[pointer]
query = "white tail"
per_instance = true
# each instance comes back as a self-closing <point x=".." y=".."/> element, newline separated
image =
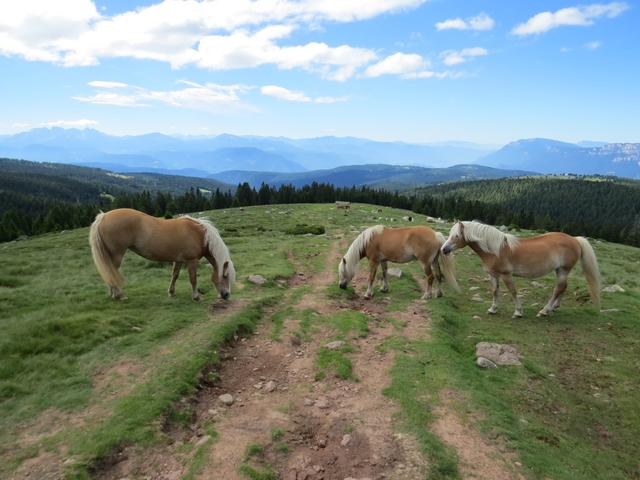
<point x="101" y="256"/>
<point x="590" y="269"/>
<point x="447" y="267"/>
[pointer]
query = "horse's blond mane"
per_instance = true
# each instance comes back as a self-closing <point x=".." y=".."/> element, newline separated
<point x="354" y="254"/>
<point x="216" y="245"/>
<point x="488" y="238"/>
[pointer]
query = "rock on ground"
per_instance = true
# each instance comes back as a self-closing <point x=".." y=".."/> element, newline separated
<point x="485" y="363"/>
<point x="257" y="279"/>
<point x="500" y="354"/>
<point x="335" y="345"/>
<point x="226" y="399"/>
<point x="613" y="289"/>
<point x="394" y="272"/>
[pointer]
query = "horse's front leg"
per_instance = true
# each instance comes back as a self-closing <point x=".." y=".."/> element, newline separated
<point x="495" y="287"/>
<point x="508" y="281"/>
<point x="373" y="267"/>
<point x="561" y="286"/>
<point x="385" y="282"/>
<point x="174" y="278"/>
<point x="192" y="266"/>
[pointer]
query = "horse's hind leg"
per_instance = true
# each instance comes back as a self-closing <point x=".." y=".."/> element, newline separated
<point x="508" y="281"/>
<point x="192" y="266"/>
<point x="561" y="286"/>
<point x="114" y="290"/>
<point x="435" y="266"/>
<point x="373" y="267"/>
<point x="174" y="278"/>
<point x="385" y="283"/>
<point x="428" y="293"/>
<point x="495" y="287"/>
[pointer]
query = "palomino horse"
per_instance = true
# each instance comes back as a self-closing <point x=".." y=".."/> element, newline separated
<point x="399" y="245"/>
<point x="180" y="240"/>
<point x="504" y="255"/>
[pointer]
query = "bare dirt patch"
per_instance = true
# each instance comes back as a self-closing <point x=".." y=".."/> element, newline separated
<point x="478" y="458"/>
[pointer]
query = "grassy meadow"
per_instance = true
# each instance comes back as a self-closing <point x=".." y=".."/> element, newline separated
<point x="81" y="375"/>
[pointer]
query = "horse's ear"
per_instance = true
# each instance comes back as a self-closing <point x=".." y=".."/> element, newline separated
<point x="225" y="268"/>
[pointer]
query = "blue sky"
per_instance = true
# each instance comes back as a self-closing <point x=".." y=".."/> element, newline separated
<point x="412" y="70"/>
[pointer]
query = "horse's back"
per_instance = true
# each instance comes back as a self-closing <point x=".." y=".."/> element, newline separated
<point x="398" y="244"/>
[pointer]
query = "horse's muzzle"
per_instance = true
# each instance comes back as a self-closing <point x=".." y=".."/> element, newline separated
<point x="446" y="250"/>
<point x="343" y="285"/>
<point x="225" y="295"/>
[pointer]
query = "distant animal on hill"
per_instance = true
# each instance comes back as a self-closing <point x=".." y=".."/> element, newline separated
<point x="504" y="255"/>
<point x="343" y="205"/>
<point x="399" y="245"/>
<point x="182" y="240"/>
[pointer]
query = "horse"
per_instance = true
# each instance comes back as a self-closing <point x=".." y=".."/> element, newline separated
<point x="345" y="205"/>
<point x="182" y="240"/>
<point x="505" y="255"/>
<point x="399" y="245"/>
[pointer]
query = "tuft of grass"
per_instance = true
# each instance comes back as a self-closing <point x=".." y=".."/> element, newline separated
<point x="303" y="229"/>
<point x="281" y="447"/>
<point x="346" y="322"/>
<point x="336" y="362"/>
<point x="253" y="450"/>
<point x="277" y="434"/>
<point x="258" y="474"/>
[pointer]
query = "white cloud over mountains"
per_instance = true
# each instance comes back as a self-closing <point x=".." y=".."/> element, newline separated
<point x="282" y="93"/>
<point x="222" y="34"/>
<point x="582" y="16"/>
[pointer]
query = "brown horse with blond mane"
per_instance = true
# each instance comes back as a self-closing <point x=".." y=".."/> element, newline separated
<point x="399" y="245"/>
<point x="183" y="240"/>
<point x="504" y="255"/>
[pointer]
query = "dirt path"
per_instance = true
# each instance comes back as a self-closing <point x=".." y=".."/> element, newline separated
<point x="287" y="421"/>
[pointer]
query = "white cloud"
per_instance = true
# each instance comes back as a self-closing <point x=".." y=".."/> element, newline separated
<point x="285" y="94"/>
<point x="105" y="84"/>
<point x="397" y="64"/>
<point x="575" y="16"/>
<point x="218" y="34"/>
<point x="208" y="96"/>
<point x="456" y="57"/>
<point x="593" y="45"/>
<point x="482" y="21"/>
<point x="82" y="123"/>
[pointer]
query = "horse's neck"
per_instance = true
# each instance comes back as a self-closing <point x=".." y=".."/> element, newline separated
<point x="485" y="256"/>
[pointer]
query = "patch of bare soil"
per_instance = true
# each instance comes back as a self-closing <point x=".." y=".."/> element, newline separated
<point x="477" y="457"/>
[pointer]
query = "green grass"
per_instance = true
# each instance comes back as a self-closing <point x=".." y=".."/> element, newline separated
<point x="570" y="412"/>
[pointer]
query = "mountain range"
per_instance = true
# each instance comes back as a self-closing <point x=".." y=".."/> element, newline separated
<point x="390" y="177"/>
<point x="202" y="156"/>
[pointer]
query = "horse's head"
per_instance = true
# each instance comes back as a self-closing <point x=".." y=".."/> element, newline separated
<point x="223" y="280"/>
<point x="344" y="274"/>
<point x="456" y="239"/>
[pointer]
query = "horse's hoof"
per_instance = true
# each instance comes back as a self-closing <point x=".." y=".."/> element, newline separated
<point x="492" y="311"/>
<point x="439" y="294"/>
<point x="384" y="290"/>
<point x="368" y="297"/>
<point x="197" y="299"/>
<point x="542" y="313"/>
<point x="517" y="315"/>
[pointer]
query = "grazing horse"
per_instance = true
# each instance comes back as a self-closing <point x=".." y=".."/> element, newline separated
<point x="504" y="255"/>
<point x="399" y="245"/>
<point x="180" y="240"/>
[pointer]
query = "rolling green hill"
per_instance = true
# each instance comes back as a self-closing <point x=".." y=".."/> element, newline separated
<point x="89" y="385"/>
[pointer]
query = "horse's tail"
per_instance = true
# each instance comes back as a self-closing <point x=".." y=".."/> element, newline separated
<point x="101" y="256"/>
<point x="590" y="269"/>
<point x="447" y="266"/>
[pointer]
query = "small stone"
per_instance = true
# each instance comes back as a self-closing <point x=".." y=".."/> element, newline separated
<point x="477" y="298"/>
<point x="203" y="440"/>
<point x="485" y="363"/>
<point x="346" y="440"/>
<point x="537" y="284"/>
<point x="500" y="354"/>
<point x="335" y="345"/>
<point x="270" y="386"/>
<point x="477" y="317"/>
<point x="322" y="403"/>
<point x="257" y="279"/>
<point x="258" y="386"/>
<point x="226" y="399"/>
<point x="394" y="272"/>
<point x="308" y="402"/>
<point x="473" y="289"/>
<point x="613" y="289"/>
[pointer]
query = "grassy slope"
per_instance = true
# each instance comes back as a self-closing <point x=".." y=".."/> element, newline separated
<point x="570" y="411"/>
